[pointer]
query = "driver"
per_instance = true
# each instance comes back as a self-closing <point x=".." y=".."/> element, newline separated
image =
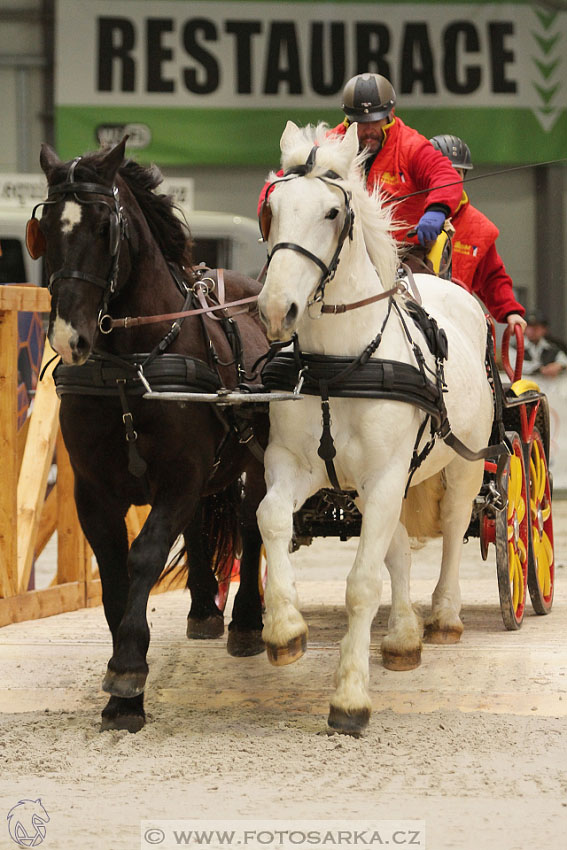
<point x="476" y="264"/>
<point x="400" y="160"/>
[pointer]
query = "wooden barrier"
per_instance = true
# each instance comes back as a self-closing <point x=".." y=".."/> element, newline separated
<point x="29" y="516"/>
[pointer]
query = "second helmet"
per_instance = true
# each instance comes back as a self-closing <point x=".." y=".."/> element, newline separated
<point x="455" y="149"/>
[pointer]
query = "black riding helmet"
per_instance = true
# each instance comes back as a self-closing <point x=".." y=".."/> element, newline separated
<point x="455" y="149"/>
<point x="368" y="97"/>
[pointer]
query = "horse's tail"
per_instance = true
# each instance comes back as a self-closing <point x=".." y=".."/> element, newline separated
<point x="220" y="528"/>
<point x="421" y="509"/>
<point x="219" y="535"/>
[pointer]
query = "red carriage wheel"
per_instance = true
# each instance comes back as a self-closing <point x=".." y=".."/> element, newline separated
<point x="541" y="560"/>
<point x="511" y="537"/>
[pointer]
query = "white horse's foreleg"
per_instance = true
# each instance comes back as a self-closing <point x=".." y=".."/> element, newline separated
<point x="350" y="704"/>
<point x="401" y="647"/>
<point x="464" y="480"/>
<point x="288" y="485"/>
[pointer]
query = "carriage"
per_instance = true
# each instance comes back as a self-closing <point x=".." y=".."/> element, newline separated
<point x="513" y="510"/>
<point x="125" y="449"/>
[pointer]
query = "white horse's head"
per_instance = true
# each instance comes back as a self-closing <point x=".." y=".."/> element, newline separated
<point x="309" y="218"/>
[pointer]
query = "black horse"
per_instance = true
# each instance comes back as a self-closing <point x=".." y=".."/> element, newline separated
<point x="114" y="248"/>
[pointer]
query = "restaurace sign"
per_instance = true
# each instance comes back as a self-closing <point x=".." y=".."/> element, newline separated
<point x="148" y="63"/>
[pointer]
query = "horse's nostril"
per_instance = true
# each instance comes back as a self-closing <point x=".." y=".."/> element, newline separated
<point x="291" y="314"/>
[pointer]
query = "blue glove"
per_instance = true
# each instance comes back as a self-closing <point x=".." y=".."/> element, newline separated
<point x="430" y="226"/>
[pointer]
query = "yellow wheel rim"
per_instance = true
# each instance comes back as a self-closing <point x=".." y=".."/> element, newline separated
<point x="540" y="513"/>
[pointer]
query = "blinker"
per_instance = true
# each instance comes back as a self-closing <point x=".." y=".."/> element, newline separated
<point x="35" y="239"/>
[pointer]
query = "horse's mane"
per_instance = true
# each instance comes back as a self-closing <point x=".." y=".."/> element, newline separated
<point x="371" y="214"/>
<point x="171" y="234"/>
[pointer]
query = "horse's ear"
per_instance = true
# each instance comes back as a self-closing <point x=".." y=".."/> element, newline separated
<point x="288" y="135"/>
<point x="111" y="162"/>
<point x="48" y="159"/>
<point x="350" y="141"/>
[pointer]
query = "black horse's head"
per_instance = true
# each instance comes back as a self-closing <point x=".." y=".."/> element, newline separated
<point x="81" y="234"/>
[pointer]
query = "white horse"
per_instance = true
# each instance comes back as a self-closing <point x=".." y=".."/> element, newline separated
<point x="374" y="438"/>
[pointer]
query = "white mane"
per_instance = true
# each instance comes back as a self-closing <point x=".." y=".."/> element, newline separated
<point x="373" y="218"/>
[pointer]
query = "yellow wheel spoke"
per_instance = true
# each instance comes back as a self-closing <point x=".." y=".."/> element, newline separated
<point x="546" y="542"/>
<point x="541" y="482"/>
<point x="518" y="588"/>
<point x="522" y="554"/>
<point x="521" y="510"/>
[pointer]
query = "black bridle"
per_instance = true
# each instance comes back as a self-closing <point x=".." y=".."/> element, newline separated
<point x="329" y="177"/>
<point x="118" y="226"/>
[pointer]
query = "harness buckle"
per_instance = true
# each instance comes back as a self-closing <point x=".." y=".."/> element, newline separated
<point x="105" y="323"/>
<point x="204" y="285"/>
<point x="300" y="380"/>
<point x="319" y="299"/>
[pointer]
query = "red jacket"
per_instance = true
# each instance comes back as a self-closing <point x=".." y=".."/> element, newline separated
<point x="477" y="264"/>
<point x="406" y="163"/>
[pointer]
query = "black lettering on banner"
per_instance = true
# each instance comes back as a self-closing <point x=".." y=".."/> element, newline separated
<point x="116" y="39"/>
<point x="457" y="37"/>
<point x="157" y="54"/>
<point x="417" y="60"/>
<point x="499" y="57"/>
<point x="372" y="46"/>
<point x="243" y="30"/>
<point x="283" y="68"/>
<point x="336" y="60"/>
<point x="191" y="31"/>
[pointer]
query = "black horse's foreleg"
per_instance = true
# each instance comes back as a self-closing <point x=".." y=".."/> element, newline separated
<point x="105" y="529"/>
<point x="128" y="669"/>
<point x="204" y="620"/>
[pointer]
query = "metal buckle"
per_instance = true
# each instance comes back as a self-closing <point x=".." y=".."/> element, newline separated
<point x="105" y="323"/>
<point x="205" y="285"/>
<point x="300" y="379"/>
<point x="318" y="300"/>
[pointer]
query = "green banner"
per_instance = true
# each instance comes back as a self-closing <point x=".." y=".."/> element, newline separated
<point x="215" y="82"/>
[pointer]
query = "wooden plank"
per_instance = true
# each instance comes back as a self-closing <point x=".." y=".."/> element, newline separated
<point x="47" y="522"/>
<point x="25" y="297"/>
<point x="73" y="551"/>
<point x="8" y="450"/>
<point x="22" y="439"/>
<point x="38" y="456"/>
<point x="35" y="604"/>
<point x="135" y="519"/>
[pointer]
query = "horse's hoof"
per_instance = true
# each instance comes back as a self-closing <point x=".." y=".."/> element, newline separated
<point x="130" y="722"/>
<point x="396" y="661"/>
<point x="210" y="627"/>
<point x="125" y="685"/>
<point x="292" y="651"/>
<point x="245" y="642"/>
<point x="348" y="722"/>
<point x="451" y="634"/>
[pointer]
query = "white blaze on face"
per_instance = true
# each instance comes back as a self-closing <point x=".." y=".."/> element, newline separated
<point x="61" y="336"/>
<point x="70" y="217"/>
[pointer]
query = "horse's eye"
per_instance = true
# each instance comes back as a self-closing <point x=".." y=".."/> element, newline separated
<point x="332" y="213"/>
